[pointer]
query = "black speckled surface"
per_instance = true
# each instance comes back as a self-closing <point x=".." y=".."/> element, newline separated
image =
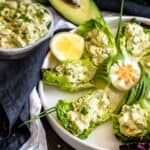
<point x="54" y="142"/>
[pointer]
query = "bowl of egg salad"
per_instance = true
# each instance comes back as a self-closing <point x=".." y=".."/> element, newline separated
<point x="23" y="26"/>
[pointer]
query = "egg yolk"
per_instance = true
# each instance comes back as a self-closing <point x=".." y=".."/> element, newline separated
<point x="127" y="73"/>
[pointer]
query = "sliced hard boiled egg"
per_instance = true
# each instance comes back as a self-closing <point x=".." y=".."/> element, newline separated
<point x="67" y="46"/>
<point x="124" y="74"/>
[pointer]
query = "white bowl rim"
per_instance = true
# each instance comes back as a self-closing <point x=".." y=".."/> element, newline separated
<point x="15" y="51"/>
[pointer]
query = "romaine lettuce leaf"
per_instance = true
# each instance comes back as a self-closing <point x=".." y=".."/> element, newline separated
<point x="141" y="136"/>
<point x="71" y="75"/>
<point x="145" y="98"/>
<point x="63" y="107"/>
<point x="145" y="60"/>
<point x="99" y="41"/>
<point x="103" y="70"/>
<point x="134" y="38"/>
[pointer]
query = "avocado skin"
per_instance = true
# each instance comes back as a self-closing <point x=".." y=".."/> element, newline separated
<point x="44" y="2"/>
<point x="77" y="14"/>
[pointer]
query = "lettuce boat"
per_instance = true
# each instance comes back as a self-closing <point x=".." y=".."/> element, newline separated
<point x="71" y="76"/>
<point x="134" y="38"/>
<point x="81" y="116"/>
<point x="145" y="61"/>
<point x="99" y="41"/>
<point x="132" y="124"/>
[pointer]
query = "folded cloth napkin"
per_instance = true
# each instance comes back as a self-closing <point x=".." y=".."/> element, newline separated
<point x="130" y="7"/>
<point x="17" y="80"/>
<point x="19" y="98"/>
<point x="37" y="140"/>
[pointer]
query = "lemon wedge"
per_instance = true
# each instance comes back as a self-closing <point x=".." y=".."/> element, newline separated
<point x="67" y="46"/>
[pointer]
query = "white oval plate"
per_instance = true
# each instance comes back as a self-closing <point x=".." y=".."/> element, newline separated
<point x="102" y="138"/>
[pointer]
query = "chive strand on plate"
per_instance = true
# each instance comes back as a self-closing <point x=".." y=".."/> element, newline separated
<point x="40" y="115"/>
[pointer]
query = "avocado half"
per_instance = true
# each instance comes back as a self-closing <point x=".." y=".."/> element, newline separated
<point x="77" y="14"/>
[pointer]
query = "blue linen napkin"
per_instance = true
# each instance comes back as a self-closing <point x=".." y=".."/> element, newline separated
<point x="130" y="7"/>
<point x="17" y="80"/>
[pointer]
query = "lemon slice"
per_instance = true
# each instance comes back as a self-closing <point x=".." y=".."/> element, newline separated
<point x="67" y="46"/>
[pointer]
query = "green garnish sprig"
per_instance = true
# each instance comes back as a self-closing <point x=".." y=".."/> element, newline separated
<point x="119" y="25"/>
<point x="40" y="115"/>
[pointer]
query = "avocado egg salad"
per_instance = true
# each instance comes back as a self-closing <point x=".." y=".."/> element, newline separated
<point x="71" y="75"/>
<point x="99" y="41"/>
<point x="132" y="124"/>
<point x="81" y="116"/>
<point x="124" y="71"/>
<point x="134" y="38"/>
<point x="22" y="23"/>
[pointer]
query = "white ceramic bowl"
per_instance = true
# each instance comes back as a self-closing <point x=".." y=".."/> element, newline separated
<point x="16" y="53"/>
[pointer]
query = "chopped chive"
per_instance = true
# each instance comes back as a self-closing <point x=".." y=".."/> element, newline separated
<point x="84" y="111"/>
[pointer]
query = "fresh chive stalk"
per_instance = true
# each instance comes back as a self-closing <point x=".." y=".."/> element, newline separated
<point x="119" y="24"/>
<point x="40" y="115"/>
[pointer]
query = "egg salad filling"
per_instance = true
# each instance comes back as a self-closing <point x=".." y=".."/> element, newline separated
<point x="136" y="39"/>
<point x="132" y="120"/>
<point x="22" y="23"/>
<point x="75" y="72"/>
<point x="71" y="76"/>
<point x="88" y="109"/>
<point x="97" y="45"/>
<point x="125" y="74"/>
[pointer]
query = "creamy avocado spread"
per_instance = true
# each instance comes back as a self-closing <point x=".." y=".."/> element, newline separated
<point x="97" y="45"/>
<point x="88" y="109"/>
<point x="22" y="23"/>
<point x="132" y="120"/>
<point x="136" y="39"/>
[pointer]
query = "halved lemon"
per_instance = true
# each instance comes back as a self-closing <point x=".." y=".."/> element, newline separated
<point x="67" y="46"/>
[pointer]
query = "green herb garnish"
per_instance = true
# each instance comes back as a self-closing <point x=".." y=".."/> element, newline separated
<point x="40" y="115"/>
<point x="119" y="25"/>
<point x="84" y="110"/>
